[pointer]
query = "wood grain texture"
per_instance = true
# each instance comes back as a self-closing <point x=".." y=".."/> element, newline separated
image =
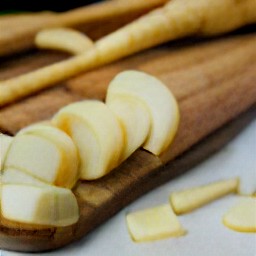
<point x="214" y="82"/>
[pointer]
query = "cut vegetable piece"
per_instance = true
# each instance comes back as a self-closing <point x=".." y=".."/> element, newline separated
<point x="5" y="142"/>
<point x="154" y="224"/>
<point x="63" y="39"/>
<point x="97" y="134"/>
<point x="65" y="144"/>
<point x="40" y="158"/>
<point x="190" y="199"/>
<point x="134" y="119"/>
<point x="157" y="99"/>
<point x="46" y="205"/>
<point x="242" y="217"/>
<point x="14" y="176"/>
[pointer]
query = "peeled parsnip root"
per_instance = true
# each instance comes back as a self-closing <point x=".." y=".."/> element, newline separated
<point x="97" y="134"/>
<point x="39" y="205"/>
<point x="157" y="100"/>
<point x="63" y="39"/>
<point x="5" y="142"/>
<point x="134" y="119"/>
<point x="242" y="217"/>
<point x="191" y="199"/>
<point x="42" y="159"/>
<point x="178" y="18"/>
<point x="154" y="224"/>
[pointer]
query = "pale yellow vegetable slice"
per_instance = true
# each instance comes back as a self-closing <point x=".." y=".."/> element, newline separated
<point x="45" y="205"/>
<point x="40" y="158"/>
<point x="154" y="224"/>
<point x="160" y="103"/>
<point x="65" y="144"/>
<point x="97" y="134"/>
<point x="14" y="176"/>
<point x="191" y="199"/>
<point x="135" y="122"/>
<point x="242" y="216"/>
<point x="178" y="18"/>
<point x="5" y="142"/>
<point x="63" y="39"/>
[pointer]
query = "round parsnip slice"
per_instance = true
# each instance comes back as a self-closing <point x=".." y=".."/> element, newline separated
<point x="40" y="158"/>
<point x="39" y="205"/>
<point x="97" y="134"/>
<point x="242" y="217"/>
<point x="63" y="39"/>
<point x="5" y="142"/>
<point x="134" y="119"/>
<point x="65" y="144"/>
<point x="159" y="101"/>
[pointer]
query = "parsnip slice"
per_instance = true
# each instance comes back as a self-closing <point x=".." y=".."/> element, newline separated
<point x="190" y="199"/>
<point x="70" y="164"/>
<point x="40" y="158"/>
<point x="154" y="224"/>
<point x="134" y="119"/>
<point x="45" y="205"/>
<point x="97" y="134"/>
<point x="5" y="142"/>
<point x="157" y="99"/>
<point x="63" y="39"/>
<point x="14" y="176"/>
<point x="242" y="217"/>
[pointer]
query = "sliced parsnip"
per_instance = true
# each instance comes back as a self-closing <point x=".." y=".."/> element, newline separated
<point x="242" y="217"/>
<point x="134" y="119"/>
<point x="154" y="224"/>
<point x="63" y="39"/>
<point x="46" y="130"/>
<point x="190" y="199"/>
<point x="97" y="134"/>
<point x="5" y="142"/>
<point x="39" y="157"/>
<point x="157" y="99"/>
<point x="14" y="176"/>
<point x="45" y="205"/>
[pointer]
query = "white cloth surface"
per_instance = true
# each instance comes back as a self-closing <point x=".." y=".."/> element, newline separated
<point x="206" y="234"/>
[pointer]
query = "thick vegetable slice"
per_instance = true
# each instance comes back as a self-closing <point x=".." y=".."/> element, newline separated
<point x="97" y="134"/>
<point x="42" y="159"/>
<point x="157" y="99"/>
<point x="134" y="119"/>
<point x="191" y="199"/>
<point x="153" y="224"/>
<point x="63" y="39"/>
<point x="45" y="205"/>
<point x="242" y="217"/>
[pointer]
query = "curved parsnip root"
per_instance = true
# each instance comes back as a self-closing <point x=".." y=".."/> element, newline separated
<point x="191" y="199"/>
<point x="242" y="217"/>
<point x="157" y="99"/>
<point x="178" y="18"/>
<point x="63" y="39"/>
<point x="5" y="142"/>
<point x="42" y="159"/>
<point x="96" y="133"/>
<point x="39" y="205"/>
<point x="46" y="130"/>
<point x="154" y="224"/>
<point x="134" y="119"/>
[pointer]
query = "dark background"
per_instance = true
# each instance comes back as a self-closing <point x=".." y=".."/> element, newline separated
<point x="39" y="5"/>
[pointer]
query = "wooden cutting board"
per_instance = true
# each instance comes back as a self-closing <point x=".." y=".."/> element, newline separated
<point x="214" y="82"/>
